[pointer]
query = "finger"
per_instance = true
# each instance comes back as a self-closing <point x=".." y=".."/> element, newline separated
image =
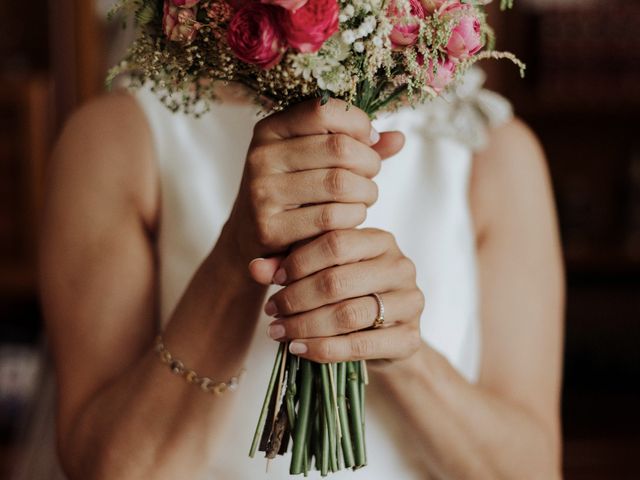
<point x="339" y="283"/>
<point x="314" y="118"/>
<point x="338" y="247"/>
<point x="320" y="151"/>
<point x="390" y="143"/>
<point x="262" y="270"/>
<point x="392" y="343"/>
<point x="301" y="223"/>
<point x="322" y="186"/>
<point x="349" y="316"/>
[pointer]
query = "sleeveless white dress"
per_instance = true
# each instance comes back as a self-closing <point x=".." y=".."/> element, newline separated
<point x="423" y="201"/>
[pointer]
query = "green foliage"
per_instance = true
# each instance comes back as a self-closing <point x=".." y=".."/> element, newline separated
<point x="504" y="4"/>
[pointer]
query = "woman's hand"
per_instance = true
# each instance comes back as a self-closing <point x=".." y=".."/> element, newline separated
<point x="308" y="171"/>
<point x="326" y="308"/>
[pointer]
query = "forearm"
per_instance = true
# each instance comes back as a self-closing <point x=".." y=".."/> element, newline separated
<point x="148" y="423"/>
<point x="463" y="430"/>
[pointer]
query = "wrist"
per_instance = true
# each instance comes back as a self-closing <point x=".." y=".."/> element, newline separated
<point x="230" y="255"/>
<point x="398" y="372"/>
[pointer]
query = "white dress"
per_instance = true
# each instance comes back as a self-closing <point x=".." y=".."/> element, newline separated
<point x="423" y="201"/>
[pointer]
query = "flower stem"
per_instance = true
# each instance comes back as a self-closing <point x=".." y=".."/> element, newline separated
<point x="324" y="463"/>
<point x="329" y="414"/>
<point x="347" y="447"/>
<point x="353" y="394"/>
<point x="302" y="421"/>
<point x="267" y="399"/>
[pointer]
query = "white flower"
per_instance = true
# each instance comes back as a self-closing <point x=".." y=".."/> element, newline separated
<point x="358" y="47"/>
<point x="335" y="49"/>
<point x="349" y="10"/>
<point x="335" y="80"/>
<point x="377" y="41"/>
<point x="348" y="37"/>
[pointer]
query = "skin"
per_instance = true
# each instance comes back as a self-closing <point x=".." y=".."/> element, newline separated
<point x="121" y="414"/>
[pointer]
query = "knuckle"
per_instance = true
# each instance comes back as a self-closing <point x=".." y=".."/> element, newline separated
<point x="328" y="218"/>
<point x="362" y="212"/>
<point x="285" y="303"/>
<point x="335" y="245"/>
<point x="324" y="351"/>
<point x="263" y="232"/>
<point x="335" y="182"/>
<point x="259" y="191"/>
<point x="258" y="156"/>
<point x="407" y="267"/>
<point x="338" y="145"/>
<point x="361" y="347"/>
<point x="331" y="284"/>
<point x="296" y="267"/>
<point x="348" y="317"/>
<point x="297" y="328"/>
<point x="389" y="238"/>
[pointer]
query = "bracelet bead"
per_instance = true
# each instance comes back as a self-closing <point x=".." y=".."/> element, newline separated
<point x="206" y="384"/>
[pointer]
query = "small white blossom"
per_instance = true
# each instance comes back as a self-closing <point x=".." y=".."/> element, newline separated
<point x="358" y="47"/>
<point x="377" y="41"/>
<point x="349" y="11"/>
<point x="336" y="80"/>
<point x="348" y="37"/>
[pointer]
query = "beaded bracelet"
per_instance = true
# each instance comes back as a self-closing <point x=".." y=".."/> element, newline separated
<point x="206" y="384"/>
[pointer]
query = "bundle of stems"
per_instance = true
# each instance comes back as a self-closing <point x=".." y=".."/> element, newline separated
<point x="320" y="408"/>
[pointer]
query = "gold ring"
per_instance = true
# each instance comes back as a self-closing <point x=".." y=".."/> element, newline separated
<point x="379" y="321"/>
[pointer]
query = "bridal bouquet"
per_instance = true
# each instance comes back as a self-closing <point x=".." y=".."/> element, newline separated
<point x="374" y="54"/>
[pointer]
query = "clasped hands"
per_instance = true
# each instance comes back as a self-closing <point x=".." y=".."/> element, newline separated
<point x="307" y="183"/>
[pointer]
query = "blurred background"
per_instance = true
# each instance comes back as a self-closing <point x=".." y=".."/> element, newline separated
<point x="581" y="95"/>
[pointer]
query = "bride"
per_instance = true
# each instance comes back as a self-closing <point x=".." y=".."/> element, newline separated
<point x="160" y="222"/>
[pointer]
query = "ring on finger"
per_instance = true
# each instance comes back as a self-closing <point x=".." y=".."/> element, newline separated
<point x="379" y="320"/>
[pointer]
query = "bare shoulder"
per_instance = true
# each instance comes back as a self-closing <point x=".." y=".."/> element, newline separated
<point x="509" y="176"/>
<point x="106" y="147"/>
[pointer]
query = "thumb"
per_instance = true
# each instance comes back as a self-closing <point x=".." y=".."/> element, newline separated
<point x="389" y="144"/>
<point x="262" y="270"/>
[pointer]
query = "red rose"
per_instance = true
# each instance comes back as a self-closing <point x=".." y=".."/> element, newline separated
<point x="308" y="27"/>
<point x="286" y="4"/>
<point x="254" y="36"/>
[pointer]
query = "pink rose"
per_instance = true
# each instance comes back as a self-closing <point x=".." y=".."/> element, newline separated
<point x="432" y="5"/>
<point x="406" y="27"/>
<point x="185" y="3"/>
<point x="292" y="5"/>
<point x="179" y="24"/>
<point x="466" y="37"/>
<point x="308" y="27"/>
<point x="254" y="36"/>
<point x="443" y="75"/>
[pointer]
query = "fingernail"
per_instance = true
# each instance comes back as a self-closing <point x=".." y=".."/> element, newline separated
<point x="297" y="348"/>
<point x="270" y="308"/>
<point x="254" y="261"/>
<point x="276" y="331"/>
<point x="280" y="277"/>
<point x="374" y="136"/>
